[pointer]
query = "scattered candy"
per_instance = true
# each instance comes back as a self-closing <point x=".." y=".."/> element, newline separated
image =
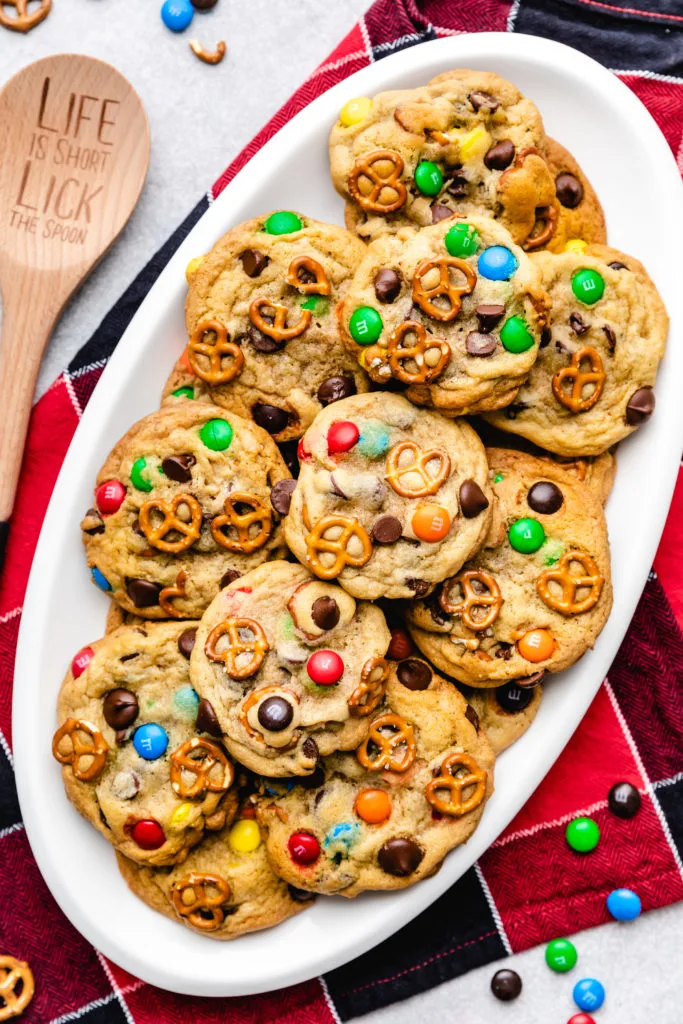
<point x="589" y="994"/>
<point x="401" y="646"/>
<point x="536" y="645"/>
<point x="365" y="325"/>
<point x="374" y="440"/>
<point x="431" y="523"/>
<point x="244" y="836"/>
<point x="186" y="699"/>
<point x="428" y="178"/>
<point x="137" y="477"/>
<point x="100" y="579"/>
<point x="624" y="904"/>
<point x="216" y="435"/>
<point x="506" y="985"/>
<point x="583" y="835"/>
<point x="515" y="335"/>
<point x="109" y="497"/>
<point x="588" y="286"/>
<point x="624" y="800"/>
<point x="497" y="263"/>
<point x="526" y="535"/>
<point x="575" y="245"/>
<point x="561" y="955"/>
<point x="303" y="848"/>
<point x="148" y="834"/>
<point x="150" y="741"/>
<point x="354" y="111"/>
<point x="183" y="393"/>
<point x="342" y="436"/>
<point x="462" y="240"/>
<point x="177" y="14"/>
<point x="373" y="806"/>
<point x="81" y="661"/>
<point x="181" y="815"/>
<point x="581" y="1018"/>
<point x="325" y="668"/>
<point x="284" y="222"/>
<point x="192" y="267"/>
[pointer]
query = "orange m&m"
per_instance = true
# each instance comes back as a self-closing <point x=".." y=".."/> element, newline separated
<point x="373" y="806"/>
<point x="185" y="361"/>
<point x="431" y="523"/>
<point x="536" y="645"/>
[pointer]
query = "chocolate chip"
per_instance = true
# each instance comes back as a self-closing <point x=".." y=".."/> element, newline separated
<point x="335" y="388"/>
<point x="300" y="895"/>
<point x="309" y="748"/>
<point x="489" y="315"/>
<point x="400" y="857"/>
<point x="206" y="719"/>
<point x="504" y="651"/>
<point x="93" y="522"/>
<point x="387" y="285"/>
<point x="178" y="467"/>
<point x="143" y="593"/>
<point x="275" y="713"/>
<point x="472" y="717"/>
<point x="288" y="453"/>
<point x="640" y="406"/>
<point x="458" y="187"/>
<point x="136" y="528"/>
<point x="611" y="338"/>
<point x="204" y="5"/>
<point x="129" y="657"/>
<point x="568" y="190"/>
<point x="511" y="411"/>
<point x="545" y="498"/>
<point x="473" y="501"/>
<point x="315" y="779"/>
<point x="546" y="337"/>
<point x="440" y="212"/>
<point x="506" y="985"/>
<point x="616" y="265"/>
<point x="269" y="417"/>
<point x="513" y="698"/>
<point x="120" y="708"/>
<point x="500" y="156"/>
<point x="478" y="98"/>
<point x="624" y="800"/>
<point x="418" y="587"/>
<point x="387" y="529"/>
<point x="254" y="262"/>
<point x="478" y="344"/>
<point x="281" y="496"/>
<point x="186" y="642"/>
<point x="325" y="612"/>
<point x="260" y="342"/>
<point x="435" y="610"/>
<point x="229" y="577"/>
<point x="531" y="681"/>
<point x="578" y="324"/>
<point x="414" y="674"/>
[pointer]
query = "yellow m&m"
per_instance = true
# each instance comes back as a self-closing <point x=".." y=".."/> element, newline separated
<point x="244" y="836"/>
<point x="354" y="111"/>
<point x="575" y="245"/>
<point x="192" y="267"/>
<point x="181" y="815"/>
<point x="475" y="144"/>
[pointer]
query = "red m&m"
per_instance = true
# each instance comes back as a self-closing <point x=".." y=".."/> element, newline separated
<point x="581" y="1018"/>
<point x="81" y="661"/>
<point x="303" y="848"/>
<point x="325" y="668"/>
<point x="148" y="834"/>
<point x="109" y="496"/>
<point x="302" y="452"/>
<point x="401" y="645"/>
<point x="342" y="436"/>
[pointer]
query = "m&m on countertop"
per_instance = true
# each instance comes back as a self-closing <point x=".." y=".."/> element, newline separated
<point x="506" y="985"/>
<point x="325" y="668"/>
<point x="589" y="994"/>
<point x="177" y="14"/>
<point x="581" y="1018"/>
<point x="561" y="955"/>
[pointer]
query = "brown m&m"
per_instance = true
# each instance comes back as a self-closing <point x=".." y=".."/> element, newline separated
<point x="624" y="800"/>
<point x="545" y="498"/>
<point x="414" y="674"/>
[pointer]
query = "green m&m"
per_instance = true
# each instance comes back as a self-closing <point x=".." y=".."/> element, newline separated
<point x="462" y="240"/>
<point x="137" y="477"/>
<point x="428" y="178"/>
<point x="526" y="535"/>
<point x="184" y="393"/>
<point x="588" y="286"/>
<point x="283" y="222"/>
<point x="365" y="325"/>
<point x="317" y="304"/>
<point x="583" y="834"/>
<point x="515" y="335"/>
<point x="561" y="955"/>
<point x="216" y="435"/>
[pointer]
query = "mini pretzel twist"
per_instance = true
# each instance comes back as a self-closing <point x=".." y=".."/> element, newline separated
<point x="566" y="602"/>
<point x="320" y="285"/>
<point x="167" y="595"/>
<point x="548" y="217"/>
<point x="208" y="56"/>
<point x="254" y="698"/>
<point x="199" y="756"/>
<point x="424" y="297"/>
<point x="241" y="522"/>
<point x="23" y="21"/>
<point x="316" y="542"/>
<point x="170" y="522"/>
<point x="257" y="646"/>
<point x="13" y="973"/>
<point x="364" y="167"/>
<point x="95" y="747"/>
<point x="278" y="331"/>
<point x="490" y="600"/>
<point x="204" y="909"/>
<point x="398" y="353"/>
<point x="473" y="775"/>
<point x="388" y="745"/>
<point x="371" y="689"/>
<point x="412" y="479"/>
<point x="573" y="400"/>
<point x="216" y="353"/>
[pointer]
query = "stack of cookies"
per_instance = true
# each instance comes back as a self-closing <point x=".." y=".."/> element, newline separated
<point x="336" y="596"/>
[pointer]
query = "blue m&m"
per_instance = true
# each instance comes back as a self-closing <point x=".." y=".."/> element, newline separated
<point x="589" y="994"/>
<point x="341" y="838"/>
<point x="177" y="14"/>
<point x="150" y="741"/>
<point x="99" y="579"/>
<point x="497" y="263"/>
<point x="624" y="904"/>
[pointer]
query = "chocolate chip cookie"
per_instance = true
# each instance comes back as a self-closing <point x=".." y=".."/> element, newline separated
<point x="291" y="667"/>
<point x="261" y="316"/>
<point x="537" y="595"/>
<point x="385" y="815"/>
<point x="139" y="759"/>
<point x="579" y="215"/>
<point x="592" y="384"/>
<point x="183" y="505"/>
<point x="390" y="498"/>
<point x="506" y="712"/>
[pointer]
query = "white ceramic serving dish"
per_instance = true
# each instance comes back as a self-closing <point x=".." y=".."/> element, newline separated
<point x="627" y="159"/>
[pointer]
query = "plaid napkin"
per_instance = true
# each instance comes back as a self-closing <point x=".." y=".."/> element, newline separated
<point x="529" y="887"/>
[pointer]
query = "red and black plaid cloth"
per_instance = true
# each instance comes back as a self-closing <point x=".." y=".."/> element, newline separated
<point x="529" y="887"/>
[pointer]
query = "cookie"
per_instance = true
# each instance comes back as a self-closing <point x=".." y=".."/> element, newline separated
<point x="592" y="384"/>
<point x="385" y="816"/>
<point x="468" y="142"/>
<point x="505" y="712"/>
<point x="117" y="617"/>
<point x="137" y="758"/>
<point x="291" y="668"/>
<point x="390" y="498"/>
<point x="182" y="505"/>
<point x="260" y="313"/>
<point x="537" y="595"/>
<point x="579" y="215"/>
<point x="454" y="313"/>
<point x="225" y="888"/>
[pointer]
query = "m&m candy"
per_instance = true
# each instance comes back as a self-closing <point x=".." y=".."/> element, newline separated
<point x="536" y="645"/>
<point x="526" y="535"/>
<point x="81" y="661"/>
<point x="581" y="1018"/>
<point x="303" y="848"/>
<point x="325" y="668"/>
<point x="624" y="904"/>
<point x="109" y="497"/>
<point x="184" y="393"/>
<point x="588" y="286"/>
<point x="583" y="834"/>
<point x="623" y="800"/>
<point x="515" y="335"/>
<point x="138" y="477"/>
<point x="561" y="955"/>
<point x="365" y="325"/>
<point x="431" y="523"/>
<point x="148" y="834"/>
<point x="497" y="263"/>
<point x="99" y="579"/>
<point x="373" y="806"/>
<point x="354" y="111"/>
<point x="506" y="985"/>
<point x="462" y="240"/>
<point x="374" y="440"/>
<point x="192" y="267"/>
<point x="244" y="836"/>
<point x="401" y="646"/>
<point x="575" y="245"/>
<point x="588" y="994"/>
<point x="216" y="435"/>
<point x="181" y="815"/>
<point x="428" y="178"/>
<point x="342" y="436"/>
<point x="177" y="14"/>
<point x="186" y="699"/>
<point x="284" y="222"/>
<point x="150" y="741"/>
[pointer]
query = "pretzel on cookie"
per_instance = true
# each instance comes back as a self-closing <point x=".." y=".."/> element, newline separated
<point x="171" y="523"/>
<point x="258" y="514"/>
<point x="444" y="288"/>
<point x="199" y="350"/>
<point x="450" y="779"/>
<point x="257" y="646"/>
<point x="371" y="688"/>
<point x="346" y="530"/>
<point x="578" y="378"/>
<point x="411" y="479"/>
<point x="308" y="276"/>
<point x="376" y="199"/>
<point x="198" y="757"/>
<point x="429" y="354"/>
<point x="479" y="591"/>
<point x="87" y="757"/>
<point x="392" y="749"/>
<point x="200" y="899"/>
<point x="566" y="601"/>
<point x="275" y="326"/>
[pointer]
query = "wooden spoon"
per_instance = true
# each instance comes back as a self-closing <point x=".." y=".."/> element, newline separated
<point x="74" y="151"/>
